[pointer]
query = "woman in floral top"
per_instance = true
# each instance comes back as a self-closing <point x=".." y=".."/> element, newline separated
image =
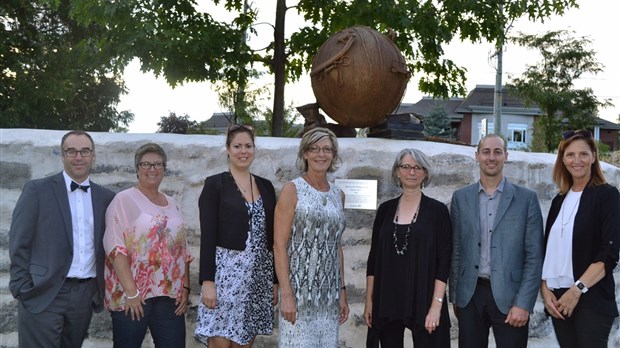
<point x="147" y="266"/>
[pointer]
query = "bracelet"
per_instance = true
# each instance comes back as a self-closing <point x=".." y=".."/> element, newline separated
<point x="439" y="299"/>
<point x="187" y="288"/>
<point x="134" y="296"/>
<point x="343" y="288"/>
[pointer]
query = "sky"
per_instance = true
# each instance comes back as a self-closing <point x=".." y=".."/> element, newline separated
<point x="150" y="97"/>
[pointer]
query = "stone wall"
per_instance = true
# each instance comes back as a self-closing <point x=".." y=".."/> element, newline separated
<point x="29" y="154"/>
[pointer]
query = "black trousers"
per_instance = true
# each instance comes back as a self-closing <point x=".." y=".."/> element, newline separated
<point x="392" y="335"/>
<point x="585" y="328"/>
<point x="481" y="314"/>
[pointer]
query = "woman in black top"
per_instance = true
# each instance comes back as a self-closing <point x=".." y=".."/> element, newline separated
<point x="409" y="262"/>
<point x="236" y="250"/>
<point x="582" y="238"/>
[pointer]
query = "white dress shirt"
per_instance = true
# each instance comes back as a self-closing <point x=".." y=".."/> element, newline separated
<point x="82" y="221"/>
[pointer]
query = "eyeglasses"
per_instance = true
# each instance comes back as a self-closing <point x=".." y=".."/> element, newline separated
<point x="581" y="133"/>
<point x="234" y="127"/>
<point x="407" y="168"/>
<point x="156" y="165"/>
<point x="74" y="152"/>
<point x="317" y="149"/>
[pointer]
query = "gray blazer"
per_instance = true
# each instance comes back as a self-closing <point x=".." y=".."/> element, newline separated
<point x="41" y="241"/>
<point x="516" y="247"/>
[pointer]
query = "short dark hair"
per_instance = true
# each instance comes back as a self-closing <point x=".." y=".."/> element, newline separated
<point x="78" y="133"/>
<point x="492" y="136"/>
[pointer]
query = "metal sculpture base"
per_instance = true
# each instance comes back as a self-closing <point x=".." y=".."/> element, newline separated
<point x="314" y="118"/>
<point x="398" y="126"/>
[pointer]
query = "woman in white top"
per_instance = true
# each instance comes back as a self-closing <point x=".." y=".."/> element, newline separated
<point x="582" y="237"/>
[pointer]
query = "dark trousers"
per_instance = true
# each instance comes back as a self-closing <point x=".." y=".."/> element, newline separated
<point x="480" y="314"/>
<point x="585" y="328"/>
<point x="64" y="323"/>
<point x="392" y="334"/>
<point x="167" y="328"/>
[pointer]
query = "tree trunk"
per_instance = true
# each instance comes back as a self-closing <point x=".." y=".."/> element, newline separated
<point x="279" y="61"/>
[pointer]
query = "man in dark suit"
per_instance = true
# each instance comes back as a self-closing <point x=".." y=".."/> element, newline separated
<point x="497" y="235"/>
<point x="56" y="250"/>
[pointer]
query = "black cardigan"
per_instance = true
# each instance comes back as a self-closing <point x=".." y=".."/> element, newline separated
<point x="596" y="237"/>
<point x="224" y="219"/>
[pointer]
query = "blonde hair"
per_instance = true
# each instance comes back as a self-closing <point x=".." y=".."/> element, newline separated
<point x="310" y="138"/>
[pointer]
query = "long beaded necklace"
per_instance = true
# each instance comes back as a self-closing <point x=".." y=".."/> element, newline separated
<point x="407" y="234"/>
<point x="251" y="204"/>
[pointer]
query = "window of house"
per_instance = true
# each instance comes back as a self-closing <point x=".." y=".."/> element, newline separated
<point x="517" y="133"/>
<point x="481" y="127"/>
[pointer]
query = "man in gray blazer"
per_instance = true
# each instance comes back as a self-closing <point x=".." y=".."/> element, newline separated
<point x="56" y="250"/>
<point x="496" y="268"/>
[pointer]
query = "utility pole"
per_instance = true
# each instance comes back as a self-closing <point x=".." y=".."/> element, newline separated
<point x="497" y="100"/>
<point x="240" y="104"/>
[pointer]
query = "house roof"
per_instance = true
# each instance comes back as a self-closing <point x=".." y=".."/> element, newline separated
<point x="604" y="124"/>
<point x="481" y="99"/>
<point x="427" y="104"/>
<point x="219" y="120"/>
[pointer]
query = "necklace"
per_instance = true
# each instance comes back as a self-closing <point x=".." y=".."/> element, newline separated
<point x="395" y="238"/>
<point x="564" y="223"/>
<point x="250" y="204"/>
<point x="312" y="183"/>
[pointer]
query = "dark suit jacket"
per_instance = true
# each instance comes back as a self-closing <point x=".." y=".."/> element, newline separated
<point x="596" y="237"/>
<point x="41" y="241"/>
<point x="224" y="219"/>
<point x="516" y="247"/>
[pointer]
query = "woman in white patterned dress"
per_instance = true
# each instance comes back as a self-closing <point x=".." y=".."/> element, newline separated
<point x="236" y="257"/>
<point x="309" y="222"/>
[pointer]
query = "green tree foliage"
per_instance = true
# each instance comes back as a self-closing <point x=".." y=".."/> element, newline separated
<point x="290" y="129"/>
<point x="437" y="123"/>
<point x="243" y="100"/>
<point x="52" y="74"/>
<point x="177" y="124"/>
<point x="174" y="39"/>
<point x="549" y="84"/>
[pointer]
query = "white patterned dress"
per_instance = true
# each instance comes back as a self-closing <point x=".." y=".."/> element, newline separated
<point x="314" y="264"/>
<point x="244" y="287"/>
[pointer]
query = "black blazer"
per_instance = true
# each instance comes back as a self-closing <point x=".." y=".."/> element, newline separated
<point x="224" y="219"/>
<point x="596" y="237"/>
<point x="41" y="241"/>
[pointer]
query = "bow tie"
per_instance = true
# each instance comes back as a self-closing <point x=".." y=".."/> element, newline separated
<point x="75" y="186"/>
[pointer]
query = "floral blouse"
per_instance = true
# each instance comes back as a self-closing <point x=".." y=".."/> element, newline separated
<point x="154" y="238"/>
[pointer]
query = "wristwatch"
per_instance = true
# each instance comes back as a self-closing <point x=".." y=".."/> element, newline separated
<point x="581" y="286"/>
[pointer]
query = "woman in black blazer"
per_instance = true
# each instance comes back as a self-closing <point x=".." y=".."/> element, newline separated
<point x="582" y="238"/>
<point x="236" y="250"/>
